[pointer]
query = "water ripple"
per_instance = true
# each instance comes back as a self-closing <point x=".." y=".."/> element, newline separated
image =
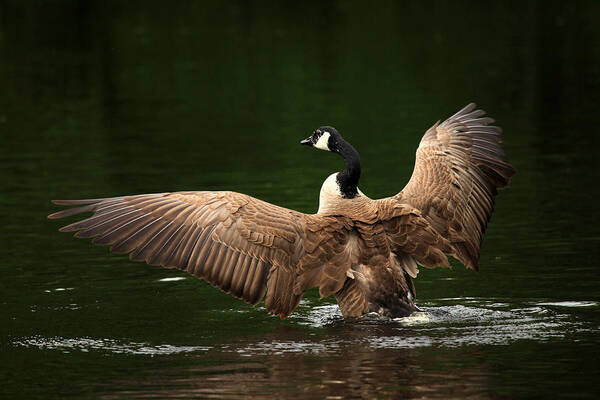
<point x="479" y="322"/>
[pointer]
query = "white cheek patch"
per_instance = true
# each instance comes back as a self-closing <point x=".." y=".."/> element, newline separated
<point x="322" y="142"/>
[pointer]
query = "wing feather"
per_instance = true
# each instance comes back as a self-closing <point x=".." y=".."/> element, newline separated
<point x="235" y="242"/>
<point x="459" y="168"/>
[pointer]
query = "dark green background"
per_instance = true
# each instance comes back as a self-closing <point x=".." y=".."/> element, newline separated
<point x="109" y="98"/>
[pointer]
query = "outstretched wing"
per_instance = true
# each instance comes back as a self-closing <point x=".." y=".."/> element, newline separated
<point x="460" y="166"/>
<point x="245" y="246"/>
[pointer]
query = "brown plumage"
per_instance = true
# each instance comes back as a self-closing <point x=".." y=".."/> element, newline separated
<point x="363" y="251"/>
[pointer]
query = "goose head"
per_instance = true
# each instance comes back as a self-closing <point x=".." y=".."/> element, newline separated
<point x="324" y="138"/>
<point x="340" y="185"/>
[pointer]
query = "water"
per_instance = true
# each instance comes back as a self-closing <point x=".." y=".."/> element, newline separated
<point x="102" y="99"/>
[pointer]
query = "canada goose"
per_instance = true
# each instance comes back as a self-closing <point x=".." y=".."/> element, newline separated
<point x="365" y="252"/>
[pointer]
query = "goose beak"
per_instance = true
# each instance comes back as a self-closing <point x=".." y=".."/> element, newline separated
<point x="306" y="142"/>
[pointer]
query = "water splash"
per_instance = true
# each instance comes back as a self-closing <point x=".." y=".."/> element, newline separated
<point x="318" y="316"/>
<point x="86" y="344"/>
<point x="172" y="279"/>
<point x="569" y="303"/>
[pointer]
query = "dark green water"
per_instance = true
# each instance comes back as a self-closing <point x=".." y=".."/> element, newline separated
<point x="101" y="98"/>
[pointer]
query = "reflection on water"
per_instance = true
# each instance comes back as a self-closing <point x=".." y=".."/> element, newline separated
<point x="355" y="373"/>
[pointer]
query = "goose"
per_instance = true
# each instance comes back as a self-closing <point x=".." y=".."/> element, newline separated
<point x="365" y="252"/>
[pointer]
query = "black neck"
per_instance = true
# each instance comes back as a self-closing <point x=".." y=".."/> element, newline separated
<point x="348" y="178"/>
